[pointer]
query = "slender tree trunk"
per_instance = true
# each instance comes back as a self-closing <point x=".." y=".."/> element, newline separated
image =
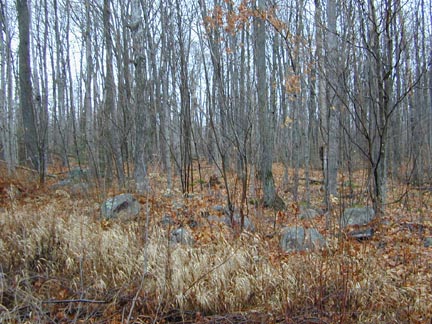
<point x="164" y="109"/>
<point x="110" y="101"/>
<point x="140" y="158"/>
<point x="333" y="105"/>
<point x="185" y="109"/>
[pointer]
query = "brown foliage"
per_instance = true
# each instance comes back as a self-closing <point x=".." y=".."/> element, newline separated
<point x="60" y="262"/>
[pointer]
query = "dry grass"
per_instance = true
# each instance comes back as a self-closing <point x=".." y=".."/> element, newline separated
<point x="55" y="248"/>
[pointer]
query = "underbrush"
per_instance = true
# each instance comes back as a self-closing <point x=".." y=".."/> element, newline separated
<point x="60" y="263"/>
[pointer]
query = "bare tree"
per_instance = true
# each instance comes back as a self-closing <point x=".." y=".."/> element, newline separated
<point x="140" y="159"/>
<point x="26" y="89"/>
<point x="7" y="111"/>
<point x="110" y="110"/>
<point x="265" y="127"/>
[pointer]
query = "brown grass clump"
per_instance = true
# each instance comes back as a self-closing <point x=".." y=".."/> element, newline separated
<point x="60" y="263"/>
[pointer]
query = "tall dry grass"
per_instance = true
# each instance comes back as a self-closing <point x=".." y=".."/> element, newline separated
<point x="54" y="249"/>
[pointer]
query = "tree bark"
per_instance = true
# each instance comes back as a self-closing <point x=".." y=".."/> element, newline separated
<point x="140" y="158"/>
<point x="333" y="104"/>
<point x="26" y="88"/>
<point x="265" y="127"/>
<point x="112" y="137"/>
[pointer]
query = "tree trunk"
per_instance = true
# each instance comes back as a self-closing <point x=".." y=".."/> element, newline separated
<point x="266" y="129"/>
<point x="112" y="138"/>
<point x="332" y="105"/>
<point x="26" y="89"/>
<point x="140" y="158"/>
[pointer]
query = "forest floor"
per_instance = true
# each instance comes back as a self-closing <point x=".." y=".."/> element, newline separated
<point x="61" y="263"/>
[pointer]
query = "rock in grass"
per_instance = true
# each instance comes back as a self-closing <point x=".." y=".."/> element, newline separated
<point x="428" y="242"/>
<point x="218" y="208"/>
<point x="308" y="213"/>
<point x="362" y="235"/>
<point x="357" y="216"/>
<point x="297" y="238"/>
<point x="167" y="221"/>
<point x="124" y="207"/>
<point x="76" y="182"/>
<point x="181" y="236"/>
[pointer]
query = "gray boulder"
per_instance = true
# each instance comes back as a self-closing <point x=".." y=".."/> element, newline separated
<point x="60" y="184"/>
<point x="362" y="234"/>
<point x="181" y="236"/>
<point x="124" y="207"/>
<point x="218" y="208"/>
<point x="73" y="188"/>
<point x="427" y="242"/>
<point x="297" y="238"/>
<point x="308" y="213"/>
<point x="75" y="182"/>
<point x="357" y="216"/>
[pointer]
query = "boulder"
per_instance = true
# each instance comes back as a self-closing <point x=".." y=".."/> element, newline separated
<point x="297" y="238"/>
<point x="357" y="216"/>
<point x="427" y="242"/>
<point x="73" y="188"/>
<point x="362" y="235"/>
<point x="181" y="236"/>
<point x="308" y="213"/>
<point x="124" y="207"/>
<point x="60" y="184"/>
<point x="75" y="182"/>
<point x="219" y="208"/>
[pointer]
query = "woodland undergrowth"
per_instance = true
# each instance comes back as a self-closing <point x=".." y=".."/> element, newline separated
<point x="60" y="263"/>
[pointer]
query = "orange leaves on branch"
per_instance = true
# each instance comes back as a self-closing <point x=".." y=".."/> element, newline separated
<point x="292" y="84"/>
<point x="218" y="15"/>
<point x="232" y="19"/>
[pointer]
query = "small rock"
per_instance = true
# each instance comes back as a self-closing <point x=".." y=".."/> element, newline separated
<point x="167" y="220"/>
<point x="178" y="205"/>
<point x="61" y="184"/>
<point x="362" y="235"/>
<point x="218" y="208"/>
<point x="428" y="242"/>
<point x="308" y="213"/>
<point x="297" y="238"/>
<point x="168" y="193"/>
<point x="414" y="227"/>
<point x="181" y="236"/>
<point x="357" y="216"/>
<point x="192" y="223"/>
<point x="123" y="206"/>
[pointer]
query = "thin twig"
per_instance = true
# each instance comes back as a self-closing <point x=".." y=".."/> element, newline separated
<point x="57" y="301"/>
